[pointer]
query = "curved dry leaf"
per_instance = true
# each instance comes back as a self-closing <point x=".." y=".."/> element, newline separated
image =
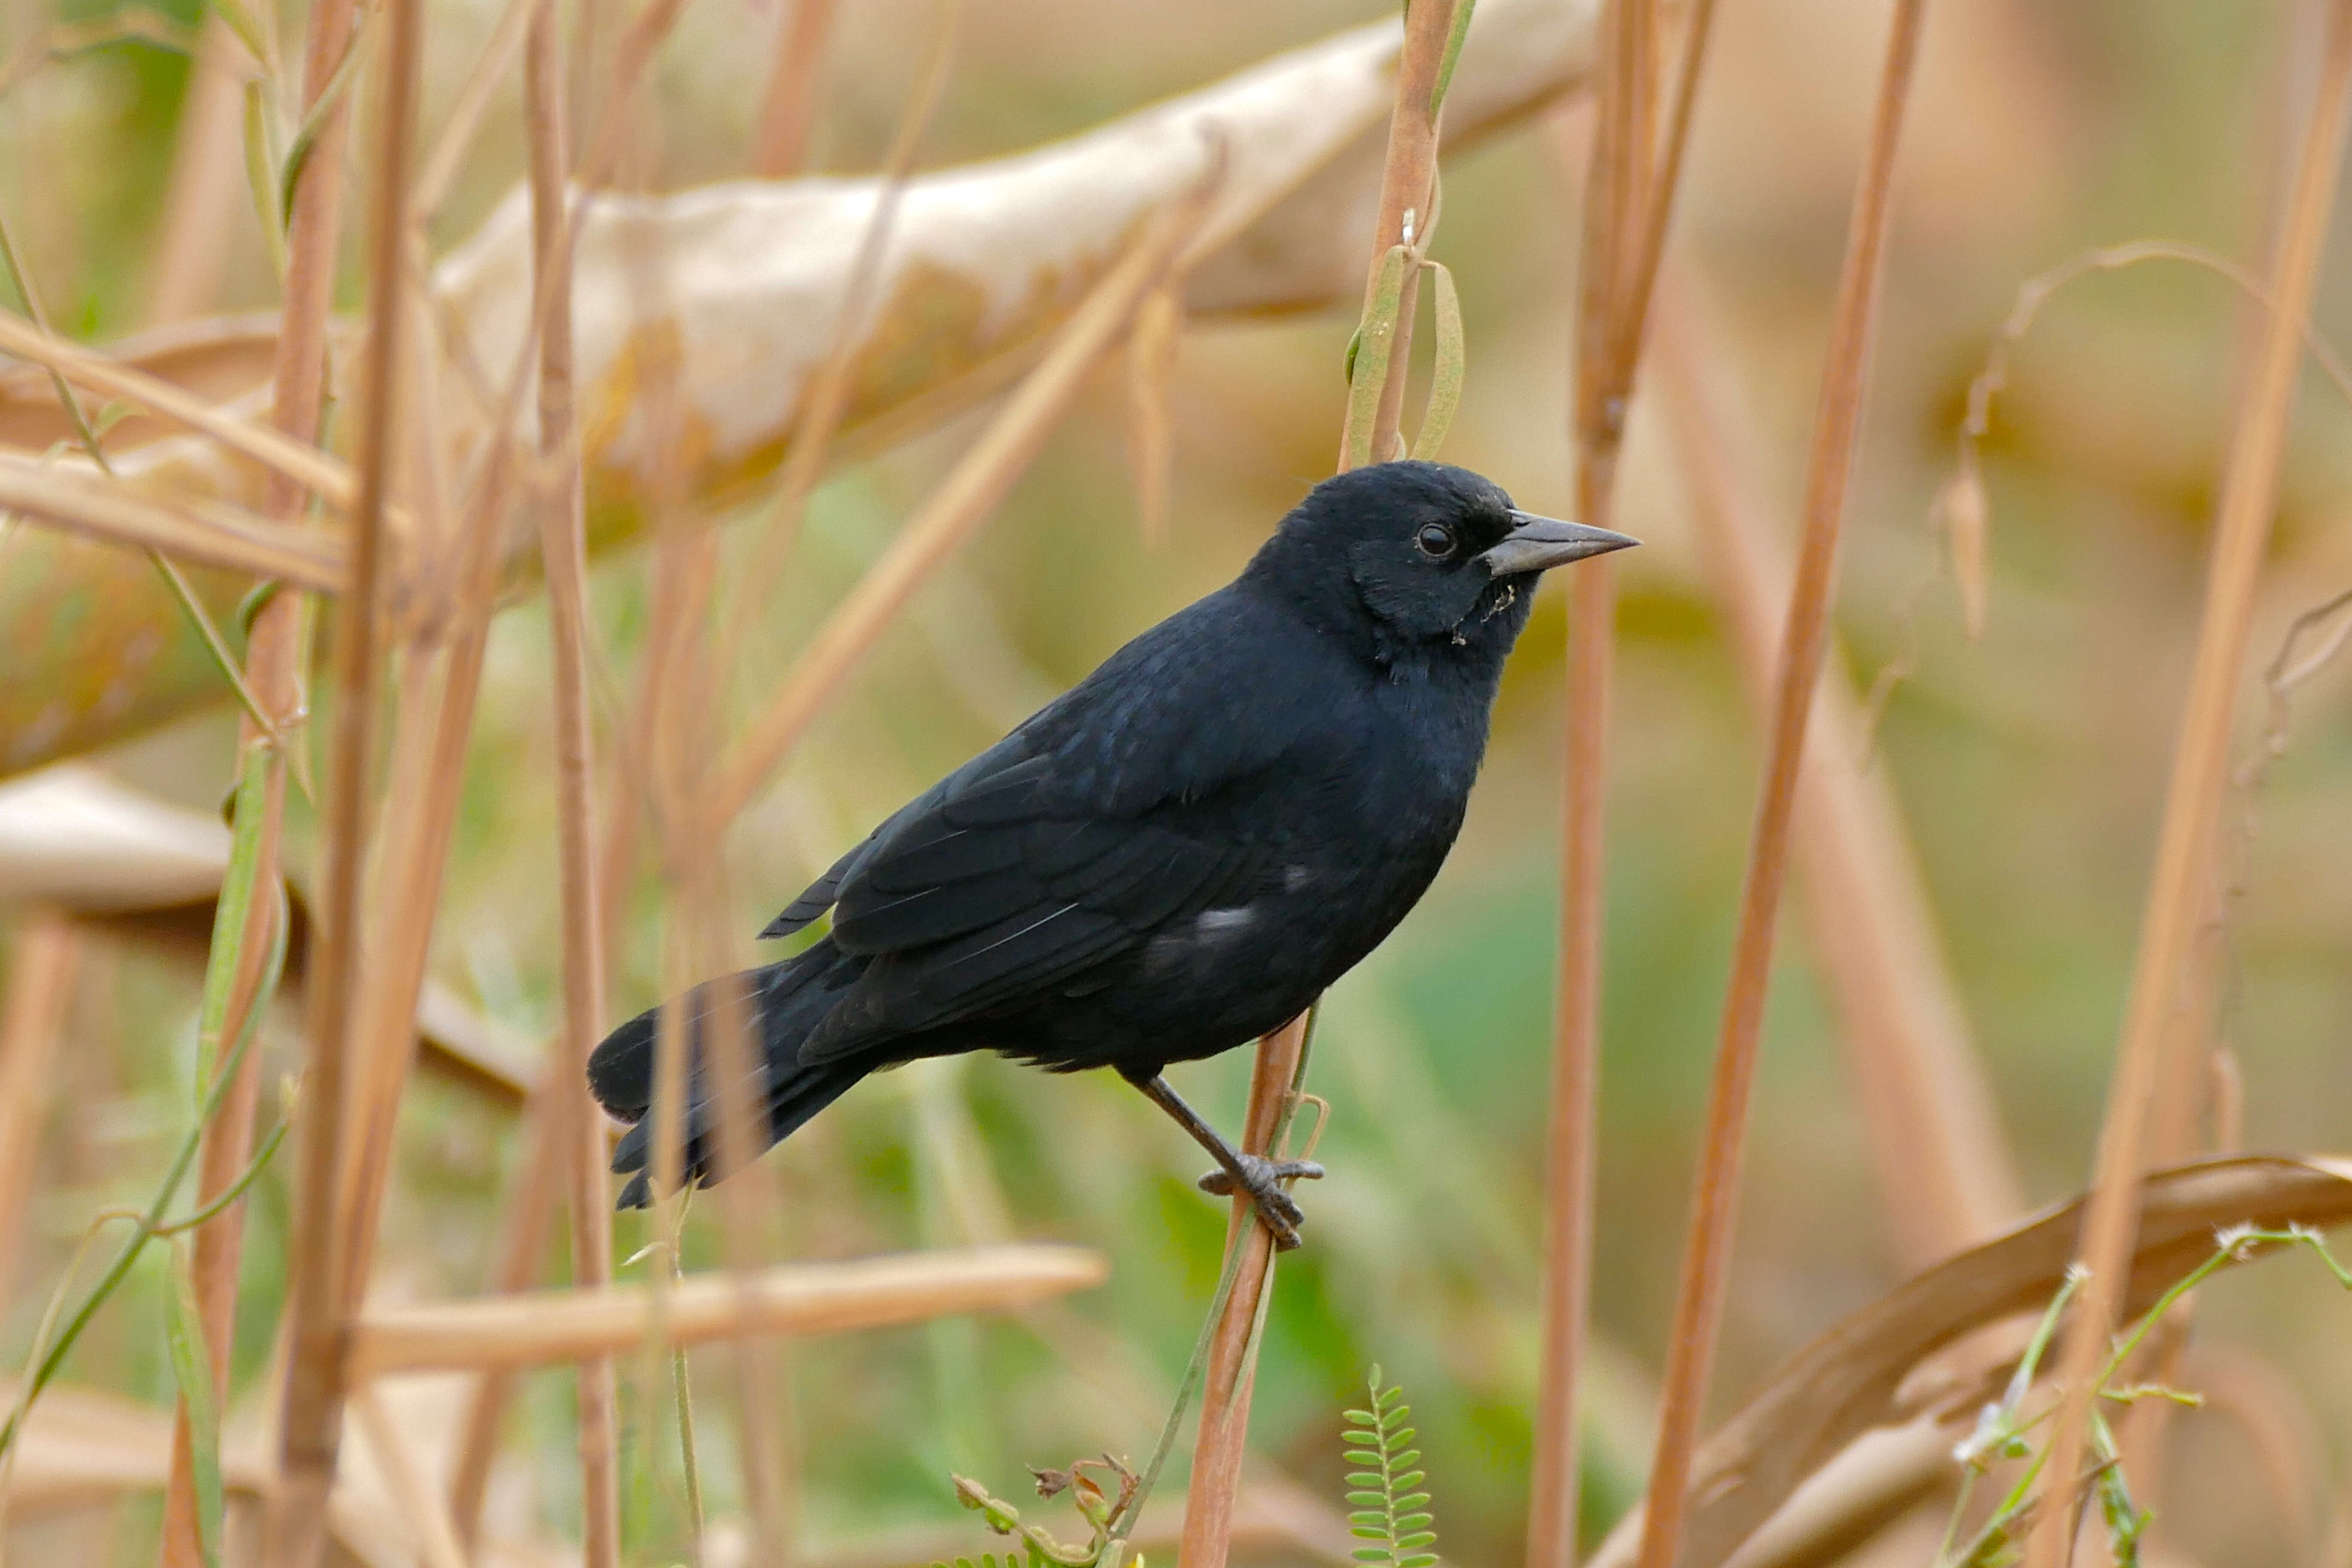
<point x="1851" y="1381"/>
<point x="988" y="262"/>
<point x="75" y="841"/>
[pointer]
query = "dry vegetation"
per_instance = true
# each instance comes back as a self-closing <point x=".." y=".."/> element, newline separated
<point x="462" y="564"/>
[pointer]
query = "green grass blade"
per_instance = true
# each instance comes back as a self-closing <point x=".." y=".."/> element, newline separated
<point x="191" y="1367"/>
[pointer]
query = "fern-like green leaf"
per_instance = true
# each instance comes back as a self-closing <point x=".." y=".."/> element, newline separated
<point x="1389" y="1507"/>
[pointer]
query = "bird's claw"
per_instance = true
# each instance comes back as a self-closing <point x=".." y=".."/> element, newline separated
<point x="1263" y="1178"/>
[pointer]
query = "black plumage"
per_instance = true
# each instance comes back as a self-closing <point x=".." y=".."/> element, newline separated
<point x="1181" y="852"/>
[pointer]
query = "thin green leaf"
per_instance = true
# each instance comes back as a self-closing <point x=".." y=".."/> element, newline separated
<point x="297" y="154"/>
<point x="1361" y="1457"/>
<point x="1451" y="370"/>
<point x="1378" y="336"/>
<point x="260" y="161"/>
<point x="191" y="1366"/>
<point x="1460" y="30"/>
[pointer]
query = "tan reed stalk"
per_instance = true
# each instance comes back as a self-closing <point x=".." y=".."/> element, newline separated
<point x="1699" y="1308"/>
<point x="549" y="1328"/>
<point x="419" y="823"/>
<point x="1616" y="197"/>
<point x="310" y="1429"/>
<point x="207" y="184"/>
<point x="1946" y="1170"/>
<point x="320" y="473"/>
<point x="41" y="964"/>
<point x="563" y="548"/>
<point x="1407" y="191"/>
<point x="459" y="127"/>
<point x="200" y="533"/>
<point x="788" y="112"/>
<point x="547" y="1127"/>
<point x="678" y="721"/>
<point x="2177" y="891"/>
<point x="1224" y="1435"/>
<point x="275" y="656"/>
<point x="962" y="501"/>
<point x="1629" y="195"/>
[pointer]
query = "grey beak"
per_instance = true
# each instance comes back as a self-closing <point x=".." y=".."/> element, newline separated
<point x="1539" y="543"/>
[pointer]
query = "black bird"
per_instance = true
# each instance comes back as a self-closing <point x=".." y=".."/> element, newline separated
<point x="1179" y="854"/>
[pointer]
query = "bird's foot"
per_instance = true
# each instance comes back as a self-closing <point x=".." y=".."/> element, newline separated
<point x="1263" y="1179"/>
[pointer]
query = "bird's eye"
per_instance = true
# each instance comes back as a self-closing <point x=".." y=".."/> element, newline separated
<point x="1435" y="541"/>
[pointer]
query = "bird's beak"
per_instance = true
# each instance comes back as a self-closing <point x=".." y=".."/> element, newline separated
<point x="1539" y="543"/>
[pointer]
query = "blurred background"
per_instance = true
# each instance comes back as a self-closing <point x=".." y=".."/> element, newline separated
<point x="2029" y="765"/>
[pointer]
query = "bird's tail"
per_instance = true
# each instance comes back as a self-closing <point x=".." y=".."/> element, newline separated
<point x="780" y="1004"/>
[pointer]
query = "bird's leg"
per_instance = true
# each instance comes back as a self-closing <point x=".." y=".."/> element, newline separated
<point x="1258" y="1176"/>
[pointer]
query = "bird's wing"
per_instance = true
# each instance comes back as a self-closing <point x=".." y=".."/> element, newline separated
<point x="819" y="896"/>
<point x="1111" y="815"/>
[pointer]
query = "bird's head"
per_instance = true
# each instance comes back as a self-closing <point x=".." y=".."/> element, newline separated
<point x="1422" y="562"/>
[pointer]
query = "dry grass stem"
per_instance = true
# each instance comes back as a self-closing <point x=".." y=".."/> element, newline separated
<point x="1224" y="1435"/>
<point x="2177" y="901"/>
<point x="549" y="1328"/>
<point x="963" y="501"/>
<point x="322" y="473"/>
<point x="563" y="549"/>
<point x="1629" y="196"/>
<point x="202" y="533"/>
<point x="1945" y="1168"/>
<point x="1698" y="1310"/>
<point x="1408" y="193"/>
<point x="1616" y="183"/>
<point x="311" y="1423"/>
<point x="788" y="112"/>
<point x="827" y="395"/>
<point x="1407" y="210"/>
<point x="455" y="139"/>
<point x="44" y="955"/>
<point x="275" y="658"/>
